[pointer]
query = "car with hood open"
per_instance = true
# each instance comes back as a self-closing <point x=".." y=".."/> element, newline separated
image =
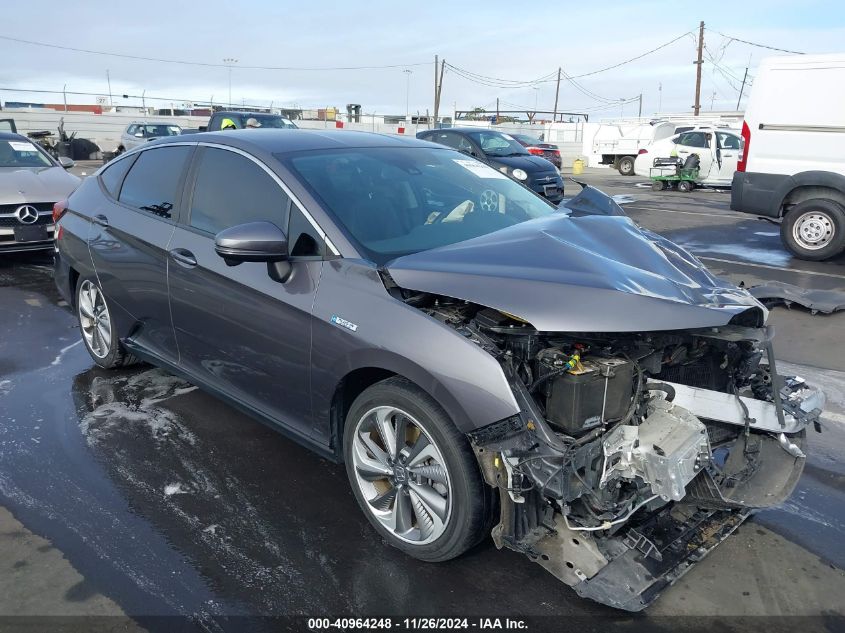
<point x="477" y="356"/>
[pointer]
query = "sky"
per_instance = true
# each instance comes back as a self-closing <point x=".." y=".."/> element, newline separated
<point x="515" y="43"/>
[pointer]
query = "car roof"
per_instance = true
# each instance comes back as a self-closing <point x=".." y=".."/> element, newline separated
<point x="276" y="141"/>
<point x="11" y="136"/>
<point x="467" y="130"/>
<point x="247" y="113"/>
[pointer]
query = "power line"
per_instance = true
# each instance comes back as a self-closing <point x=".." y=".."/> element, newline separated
<point x="633" y="59"/>
<point x="207" y="64"/>
<point x="771" y="48"/>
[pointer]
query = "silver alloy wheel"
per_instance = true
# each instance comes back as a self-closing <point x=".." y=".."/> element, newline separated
<point x="401" y="475"/>
<point x="813" y="230"/>
<point x="94" y="319"/>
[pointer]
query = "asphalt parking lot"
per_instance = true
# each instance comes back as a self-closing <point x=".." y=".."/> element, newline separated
<point x="152" y="498"/>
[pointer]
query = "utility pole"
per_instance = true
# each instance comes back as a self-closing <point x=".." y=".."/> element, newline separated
<point x="699" y="63"/>
<point x="439" y="69"/>
<point x="407" y="92"/>
<point x="557" y="94"/>
<point x="660" y="97"/>
<point x="712" y="100"/>
<point x="436" y="85"/>
<point x="108" y="79"/>
<point x="640" y="113"/>
<point x="497" y="110"/>
<point x="64" y="95"/>
<point x="229" y="61"/>
<point x="742" y="88"/>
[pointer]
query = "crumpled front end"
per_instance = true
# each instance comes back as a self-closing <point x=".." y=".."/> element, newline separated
<point x="634" y="454"/>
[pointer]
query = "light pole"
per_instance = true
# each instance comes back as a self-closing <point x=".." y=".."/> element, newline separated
<point x="229" y="61"/>
<point x="536" y="96"/>
<point x="408" y="74"/>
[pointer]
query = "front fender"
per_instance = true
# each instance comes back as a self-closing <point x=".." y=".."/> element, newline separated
<point x="391" y="335"/>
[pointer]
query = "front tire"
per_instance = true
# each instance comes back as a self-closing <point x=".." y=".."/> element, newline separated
<point x="97" y="326"/>
<point x="413" y="473"/>
<point x="814" y="229"/>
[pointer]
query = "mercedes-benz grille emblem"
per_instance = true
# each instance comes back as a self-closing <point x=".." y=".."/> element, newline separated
<point x="26" y="214"/>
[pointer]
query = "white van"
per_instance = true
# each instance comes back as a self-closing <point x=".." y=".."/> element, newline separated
<point x="717" y="150"/>
<point x="793" y="163"/>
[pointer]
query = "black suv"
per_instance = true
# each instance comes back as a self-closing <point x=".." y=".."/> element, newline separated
<point x="504" y="153"/>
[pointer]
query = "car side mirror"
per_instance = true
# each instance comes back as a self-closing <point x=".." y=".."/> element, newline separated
<point x="255" y="242"/>
<point x="66" y="162"/>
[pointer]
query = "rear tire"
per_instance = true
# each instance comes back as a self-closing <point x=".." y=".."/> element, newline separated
<point x="686" y="186"/>
<point x="814" y="229"/>
<point x="96" y="326"/>
<point x="427" y="468"/>
<point x="626" y="165"/>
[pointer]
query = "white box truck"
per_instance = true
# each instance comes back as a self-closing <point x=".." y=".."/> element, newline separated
<point x="792" y="163"/>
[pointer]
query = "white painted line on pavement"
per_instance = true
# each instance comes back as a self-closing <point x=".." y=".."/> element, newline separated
<point x="789" y="270"/>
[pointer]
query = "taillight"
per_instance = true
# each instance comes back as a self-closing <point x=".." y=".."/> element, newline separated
<point x="535" y="150"/>
<point x="642" y="151"/>
<point x="556" y="152"/>
<point x="742" y="161"/>
<point x="59" y="209"/>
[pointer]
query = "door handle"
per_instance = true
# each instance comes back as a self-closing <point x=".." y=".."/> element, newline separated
<point x="728" y="155"/>
<point x="101" y="220"/>
<point x="184" y="257"/>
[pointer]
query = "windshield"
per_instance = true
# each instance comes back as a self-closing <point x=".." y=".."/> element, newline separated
<point x="22" y="154"/>
<point x="497" y="144"/>
<point x="396" y="201"/>
<point x="269" y="120"/>
<point x="162" y="130"/>
<point x="524" y="139"/>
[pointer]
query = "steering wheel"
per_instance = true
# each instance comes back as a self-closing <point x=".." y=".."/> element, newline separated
<point x="488" y="200"/>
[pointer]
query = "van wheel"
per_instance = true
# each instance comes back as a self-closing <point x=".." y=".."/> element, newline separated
<point x="626" y="165"/>
<point x="97" y="326"/>
<point x="814" y="229"/>
<point x="413" y="473"/>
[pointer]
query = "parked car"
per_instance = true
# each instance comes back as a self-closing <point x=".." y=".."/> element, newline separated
<point x="238" y="120"/>
<point x="792" y="168"/>
<point x="450" y="336"/>
<point x="538" y="148"/>
<point x="718" y="151"/>
<point x="31" y="181"/>
<point x="504" y="153"/>
<point x="138" y="133"/>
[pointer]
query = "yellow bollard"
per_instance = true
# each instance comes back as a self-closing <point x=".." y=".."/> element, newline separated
<point x="577" y="167"/>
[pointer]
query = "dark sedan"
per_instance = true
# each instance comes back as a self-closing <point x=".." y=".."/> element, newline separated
<point x="539" y="148"/>
<point x="504" y="153"/>
<point x="474" y="354"/>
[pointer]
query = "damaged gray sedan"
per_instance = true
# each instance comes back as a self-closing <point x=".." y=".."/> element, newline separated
<point x="483" y="361"/>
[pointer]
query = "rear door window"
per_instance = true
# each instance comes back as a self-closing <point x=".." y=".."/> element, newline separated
<point x="692" y="139"/>
<point x="112" y="177"/>
<point x="153" y="184"/>
<point x="230" y="189"/>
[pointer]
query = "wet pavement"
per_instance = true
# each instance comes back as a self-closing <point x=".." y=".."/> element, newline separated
<point x="168" y="502"/>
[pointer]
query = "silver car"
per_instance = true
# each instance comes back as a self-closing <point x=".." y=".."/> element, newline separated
<point x="31" y="182"/>
<point x="140" y="132"/>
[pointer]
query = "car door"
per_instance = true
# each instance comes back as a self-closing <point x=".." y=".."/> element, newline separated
<point x="128" y="241"/>
<point x="727" y="155"/>
<point x="696" y="142"/>
<point x="237" y="329"/>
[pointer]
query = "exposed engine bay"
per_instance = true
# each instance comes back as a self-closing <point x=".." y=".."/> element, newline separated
<point x="634" y="453"/>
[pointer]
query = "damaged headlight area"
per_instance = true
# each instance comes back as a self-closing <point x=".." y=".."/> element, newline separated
<point x="634" y="454"/>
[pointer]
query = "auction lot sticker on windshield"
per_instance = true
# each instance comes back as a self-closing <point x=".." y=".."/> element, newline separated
<point x="479" y="169"/>
<point x="22" y="146"/>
